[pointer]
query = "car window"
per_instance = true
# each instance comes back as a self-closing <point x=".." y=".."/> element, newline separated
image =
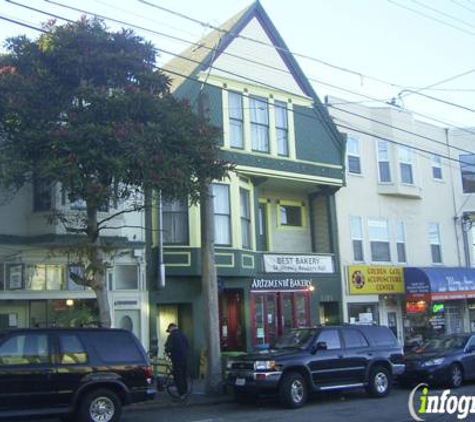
<point x="71" y="350"/>
<point x="471" y="343"/>
<point x="115" y="347"/>
<point x="331" y="338"/>
<point x="382" y="336"/>
<point x="25" y="349"/>
<point x="353" y="338"/>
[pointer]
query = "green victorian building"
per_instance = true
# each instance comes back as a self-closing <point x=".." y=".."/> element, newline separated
<point x="275" y="225"/>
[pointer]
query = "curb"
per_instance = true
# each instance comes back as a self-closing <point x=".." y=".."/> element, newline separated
<point x="167" y="403"/>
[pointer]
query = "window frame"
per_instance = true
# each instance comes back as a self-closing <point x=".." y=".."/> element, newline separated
<point x="437" y="244"/>
<point x="401" y="240"/>
<point x="254" y="123"/>
<point x="378" y="240"/>
<point x="356" y="154"/>
<point x="464" y="164"/>
<point x="281" y="105"/>
<point x="183" y="216"/>
<point x="406" y="162"/>
<point x="382" y="159"/>
<point x="295" y="204"/>
<point x="239" y="120"/>
<point x="354" y="236"/>
<point x="436" y="164"/>
<point x="245" y="219"/>
<point x="228" y="214"/>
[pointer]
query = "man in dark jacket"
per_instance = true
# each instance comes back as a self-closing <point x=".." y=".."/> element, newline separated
<point x="176" y="347"/>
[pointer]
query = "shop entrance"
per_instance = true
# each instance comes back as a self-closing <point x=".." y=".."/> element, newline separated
<point x="231" y="316"/>
<point x="273" y="314"/>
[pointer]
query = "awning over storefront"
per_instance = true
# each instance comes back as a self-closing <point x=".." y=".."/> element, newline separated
<point x="440" y="283"/>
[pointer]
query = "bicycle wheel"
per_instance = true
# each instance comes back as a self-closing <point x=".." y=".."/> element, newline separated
<point x="172" y="390"/>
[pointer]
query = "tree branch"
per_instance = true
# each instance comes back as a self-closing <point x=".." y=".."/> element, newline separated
<point x="111" y="217"/>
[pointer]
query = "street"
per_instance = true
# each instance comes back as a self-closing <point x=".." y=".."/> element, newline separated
<point x="347" y="406"/>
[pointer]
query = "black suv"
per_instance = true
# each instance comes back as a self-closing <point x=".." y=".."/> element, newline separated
<point x="317" y="359"/>
<point x="85" y="374"/>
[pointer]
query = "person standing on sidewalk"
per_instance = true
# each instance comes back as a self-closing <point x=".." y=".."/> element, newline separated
<point x="176" y="347"/>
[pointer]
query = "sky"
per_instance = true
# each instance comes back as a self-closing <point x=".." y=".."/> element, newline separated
<point x="416" y="53"/>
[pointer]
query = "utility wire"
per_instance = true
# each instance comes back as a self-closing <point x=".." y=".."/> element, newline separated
<point x="463" y="5"/>
<point x="16" y="22"/>
<point x="435" y="10"/>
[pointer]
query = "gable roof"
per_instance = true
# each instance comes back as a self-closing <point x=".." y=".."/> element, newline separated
<point x="202" y="54"/>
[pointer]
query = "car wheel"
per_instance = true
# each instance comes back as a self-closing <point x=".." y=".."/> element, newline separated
<point x="293" y="390"/>
<point x="380" y="382"/>
<point x="244" y="397"/>
<point x="100" y="405"/>
<point x="455" y="375"/>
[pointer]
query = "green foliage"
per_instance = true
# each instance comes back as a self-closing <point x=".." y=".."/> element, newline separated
<point x="89" y="109"/>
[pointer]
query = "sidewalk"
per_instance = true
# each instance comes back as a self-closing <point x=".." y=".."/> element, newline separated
<point x="196" y="398"/>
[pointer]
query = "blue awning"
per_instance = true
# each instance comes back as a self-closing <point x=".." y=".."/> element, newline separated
<point x="441" y="283"/>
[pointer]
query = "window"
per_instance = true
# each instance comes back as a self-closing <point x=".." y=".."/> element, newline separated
<point x="436" y="167"/>
<point x="71" y="350"/>
<point x="25" y="349"/>
<point x="353" y="155"/>
<point x="259" y="124"/>
<point x="379" y="240"/>
<point x="356" y="238"/>
<point x="222" y="215"/>
<point x="384" y="167"/>
<point x="126" y="277"/>
<point x="74" y="270"/>
<point x="245" y="219"/>
<point x="235" y="120"/>
<point x="44" y="277"/>
<point x="467" y="169"/>
<point x="405" y="165"/>
<point x="400" y="242"/>
<point x="175" y="222"/>
<point x="331" y="338"/>
<point x="291" y="215"/>
<point x="353" y="338"/>
<point x="42" y="191"/>
<point x="435" y="244"/>
<point x="282" y="128"/>
<point x="118" y="347"/>
<point x="382" y="336"/>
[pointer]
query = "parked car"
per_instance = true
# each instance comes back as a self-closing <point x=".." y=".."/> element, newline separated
<point x="318" y="359"/>
<point x="448" y="359"/>
<point x="89" y="373"/>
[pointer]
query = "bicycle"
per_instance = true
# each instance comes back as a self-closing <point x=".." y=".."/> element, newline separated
<point x="163" y="370"/>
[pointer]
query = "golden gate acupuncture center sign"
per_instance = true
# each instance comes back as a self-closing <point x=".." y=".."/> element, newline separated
<point x="298" y="263"/>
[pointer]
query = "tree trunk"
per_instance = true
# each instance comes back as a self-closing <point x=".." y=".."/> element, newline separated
<point x="98" y="268"/>
<point x="213" y="380"/>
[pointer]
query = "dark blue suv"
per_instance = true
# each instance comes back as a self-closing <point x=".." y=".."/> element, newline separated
<point x="86" y="374"/>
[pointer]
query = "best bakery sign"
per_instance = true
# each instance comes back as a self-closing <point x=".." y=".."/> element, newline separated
<point x="366" y="279"/>
<point x="274" y="263"/>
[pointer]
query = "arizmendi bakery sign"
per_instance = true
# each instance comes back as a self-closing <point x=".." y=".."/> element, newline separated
<point x="281" y="284"/>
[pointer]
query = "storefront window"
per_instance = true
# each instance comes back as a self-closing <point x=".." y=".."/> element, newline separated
<point x="363" y="313"/>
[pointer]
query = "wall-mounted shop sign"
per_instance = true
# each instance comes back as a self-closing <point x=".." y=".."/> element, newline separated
<point x="365" y="279"/>
<point x="281" y="284"/>
<point x="274" y="263"/>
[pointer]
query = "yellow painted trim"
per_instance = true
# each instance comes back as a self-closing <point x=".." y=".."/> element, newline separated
<point x="188" y="263"/>
<point x="256" y="89"/>
<point x="268" y="222"/>
<point x="246" y="121"/>
<point x="154" y="220"/>
<point x="303" y="209"/>
<point x="194" y="221"/>
<point x="226" y="254"/>
<point x="291" y="124"/>
<point x="226" y="128"/>
<point x="272" y="131"/>
<point x="287" y="175"/>
<point x="280" y="157"/>
<point x="248" y="266"/>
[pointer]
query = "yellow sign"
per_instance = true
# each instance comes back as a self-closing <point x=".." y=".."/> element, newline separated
<point x="366" y="279"/>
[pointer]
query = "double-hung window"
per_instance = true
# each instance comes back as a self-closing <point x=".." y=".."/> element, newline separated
<point x="353" y="155"/>
<point x="379" y="240"/>
<point x="356" y="233"/>
<point x="281" y="128"/>
<point x="436" y="167"/>
<point x="435" y="243"/>
<point x="384" y="168"/>
<point x="400" y="242"/>
<point x="467" y="170"/>
<point x="405" y="165"/>
<point x="245" y="219"/>
<point x="175" y="223"/>
<point x="236" y="132"/>
<point x="259" y="124"/>
<point x="222" y="215"/>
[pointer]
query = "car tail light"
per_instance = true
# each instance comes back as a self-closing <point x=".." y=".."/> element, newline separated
<point x="148" y="373"/>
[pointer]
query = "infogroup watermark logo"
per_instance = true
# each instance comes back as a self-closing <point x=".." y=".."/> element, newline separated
<point x="422" y="403"/>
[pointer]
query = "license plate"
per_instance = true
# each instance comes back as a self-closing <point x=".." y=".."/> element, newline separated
<point x="240" y="381"/>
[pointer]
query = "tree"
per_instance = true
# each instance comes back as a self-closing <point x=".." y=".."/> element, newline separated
<point x="88" y="109"/>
